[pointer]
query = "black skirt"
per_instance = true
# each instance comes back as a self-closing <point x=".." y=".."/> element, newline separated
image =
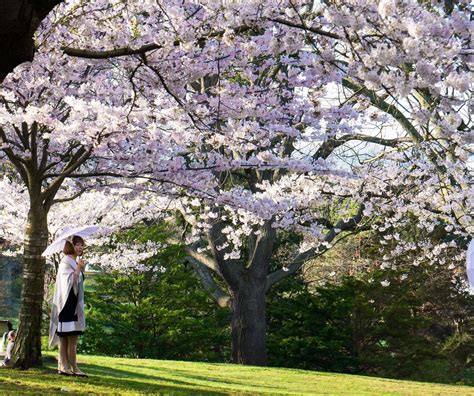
<point x="68" y="314"/>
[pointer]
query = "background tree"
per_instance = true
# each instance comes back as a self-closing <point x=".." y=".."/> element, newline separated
<point x="401" y="321"/>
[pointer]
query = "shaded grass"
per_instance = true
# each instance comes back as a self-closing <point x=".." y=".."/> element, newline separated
<point x="146" y="376"/>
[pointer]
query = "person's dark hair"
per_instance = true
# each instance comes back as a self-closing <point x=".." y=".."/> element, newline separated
<point x="69" y="247"/>
<point x="10" y="326"/>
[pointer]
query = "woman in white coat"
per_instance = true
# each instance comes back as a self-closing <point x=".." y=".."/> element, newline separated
<point x="67" y="314"/>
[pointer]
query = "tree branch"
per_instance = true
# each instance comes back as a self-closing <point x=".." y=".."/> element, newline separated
<point x="114" y="53"/>
<point x="386" y="107"/>
<point x="203" y="259"/>
<point x="230" y="269"/>
<point x="126" y="51"/>
<point x="331" y="144"/>
<point x="218" y="295"/>
<point x="76" y="161"/>
<point x="71" y="198"/>
<point x="310" y="29"/>
<point x="18" y="162"/>
<point x="310" y="254"/>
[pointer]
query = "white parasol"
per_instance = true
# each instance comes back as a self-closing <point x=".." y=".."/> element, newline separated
<point x="470" y="264"/>
<point x="67" y="232"/>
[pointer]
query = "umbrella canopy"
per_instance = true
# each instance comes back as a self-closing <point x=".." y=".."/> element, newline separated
<point x="60" y="241"/>
<point x="470" y="264"/>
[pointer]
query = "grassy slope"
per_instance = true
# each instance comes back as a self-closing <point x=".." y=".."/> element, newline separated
<point x="135" y="376"/>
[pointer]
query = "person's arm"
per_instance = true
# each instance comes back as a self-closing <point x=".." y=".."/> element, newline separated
<point x="77" y="273"/>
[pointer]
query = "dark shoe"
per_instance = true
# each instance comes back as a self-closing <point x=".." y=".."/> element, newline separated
<point x="80" y="374"/>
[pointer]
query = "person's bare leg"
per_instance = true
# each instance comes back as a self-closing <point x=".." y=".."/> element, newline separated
<point x="63" y="354"/>
<point x="71" y="353"/>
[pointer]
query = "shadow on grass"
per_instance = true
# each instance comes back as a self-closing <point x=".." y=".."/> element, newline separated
<point x="8" y="388"/>
<point x="11" y="382"/>
<point x="129" y="381"/>
<point x="118" y="381"/>
<point x="218" y="381"/>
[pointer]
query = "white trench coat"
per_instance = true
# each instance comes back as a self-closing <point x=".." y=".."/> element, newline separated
<point x="64" y="283"/>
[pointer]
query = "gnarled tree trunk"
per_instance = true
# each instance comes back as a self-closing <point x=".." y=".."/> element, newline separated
<point x="27" y="351"/>
<point x="249" y="323"/>
<point x="247" y="283"/>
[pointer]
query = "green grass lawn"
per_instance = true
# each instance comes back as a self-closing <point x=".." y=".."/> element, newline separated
<point x="142" y="376"/>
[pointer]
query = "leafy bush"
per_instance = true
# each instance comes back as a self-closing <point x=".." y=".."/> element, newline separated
<point x="154" y="314"/>
<point x="409" y="329"/>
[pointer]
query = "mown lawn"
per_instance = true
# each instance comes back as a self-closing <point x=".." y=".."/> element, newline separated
<point x="140" y="376"/>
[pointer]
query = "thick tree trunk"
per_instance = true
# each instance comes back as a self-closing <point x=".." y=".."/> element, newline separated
<point x="249" y="323"/>
<point x="27" y="351"/>
<point x="6" y="287"/>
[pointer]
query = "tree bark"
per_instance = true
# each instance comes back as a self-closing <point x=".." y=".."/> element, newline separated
<point x="19" y="20"/>
<point x="6" y="285"/>
<point x="27" y="351"/>
<point x="249" y="323"/>
<point x="249" y="319"/>
<point x="247" y="283"/>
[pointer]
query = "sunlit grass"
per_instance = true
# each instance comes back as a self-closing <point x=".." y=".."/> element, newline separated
<point x="140" y="376"/>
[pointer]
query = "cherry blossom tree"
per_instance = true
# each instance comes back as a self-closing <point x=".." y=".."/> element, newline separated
<point x="315" y="118"/>
<point x="38" y="138"/>
<point x="116" y="211"/>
